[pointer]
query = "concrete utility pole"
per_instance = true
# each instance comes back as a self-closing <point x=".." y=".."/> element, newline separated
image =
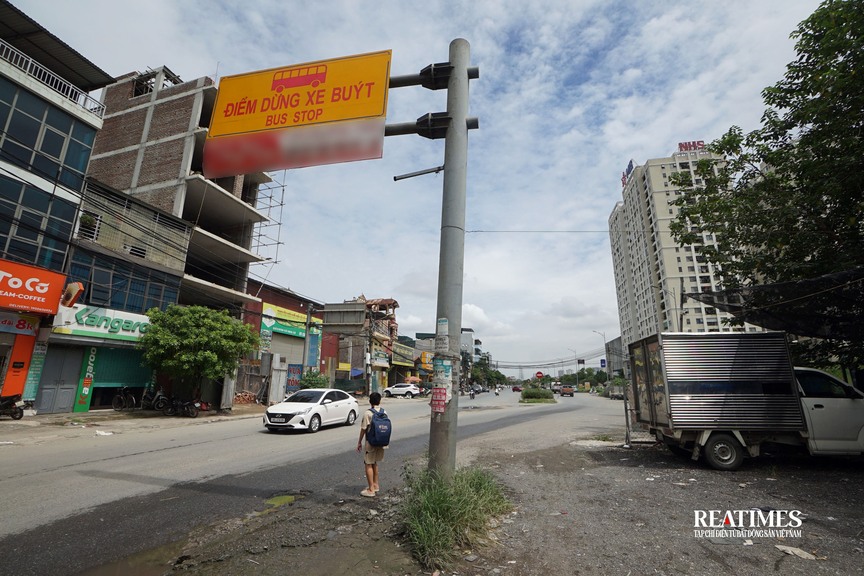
<point x="451" y="263"/>
<point x="453" y="126"/>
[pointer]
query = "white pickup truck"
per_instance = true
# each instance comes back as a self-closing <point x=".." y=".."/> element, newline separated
<point x="723" y="395"/>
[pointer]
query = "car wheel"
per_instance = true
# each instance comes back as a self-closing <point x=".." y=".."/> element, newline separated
<point x="387" y="393"/>
<point x="314" y="424"/>
<point x="352" y="417"/>
<point x="409" y="395"/>
<point x="723" y="452"/>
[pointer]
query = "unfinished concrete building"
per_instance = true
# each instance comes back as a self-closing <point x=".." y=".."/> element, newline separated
<point x="151" y="147"/>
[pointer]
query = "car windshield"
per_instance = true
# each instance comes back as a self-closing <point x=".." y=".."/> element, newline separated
<point x="305" y="396"/>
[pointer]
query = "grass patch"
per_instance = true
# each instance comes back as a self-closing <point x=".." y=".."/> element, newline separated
<point x="441" y="517"/>
<point x="537" y="396"/>
<point x="603" y="438"/>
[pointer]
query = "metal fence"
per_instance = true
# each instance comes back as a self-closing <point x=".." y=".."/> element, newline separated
<point x="38" y="72"/>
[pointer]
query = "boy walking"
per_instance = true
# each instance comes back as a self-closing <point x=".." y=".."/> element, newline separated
<point x="372" y="454"/>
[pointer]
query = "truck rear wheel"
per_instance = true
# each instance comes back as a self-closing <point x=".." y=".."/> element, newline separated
<point x="723" y="452"/>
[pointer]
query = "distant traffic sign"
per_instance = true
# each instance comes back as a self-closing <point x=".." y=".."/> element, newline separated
<point x="539" y="375"/>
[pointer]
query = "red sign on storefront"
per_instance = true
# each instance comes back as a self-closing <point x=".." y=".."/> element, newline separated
<point x="29" y="288"/>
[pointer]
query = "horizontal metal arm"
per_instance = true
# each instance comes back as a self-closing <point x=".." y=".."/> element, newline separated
<point x="434" y="77"/>
<point x="428" y="126"/>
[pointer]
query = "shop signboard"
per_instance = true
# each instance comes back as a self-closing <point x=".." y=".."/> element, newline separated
<point x="403" y="355"/>
<point x="279" y="320"/>
<point x="18" y="324"/>
<point x="29" y="288"/>
<point x="81" y="320"/>
<point x="85" y="384"/>
<point x="380" y="359"/>
<point x="426" y="361"/>
<point x="295" y="372"/>
<point x="34" y="373"/>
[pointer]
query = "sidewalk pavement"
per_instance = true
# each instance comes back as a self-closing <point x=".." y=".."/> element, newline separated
<point x="34" y="429"/>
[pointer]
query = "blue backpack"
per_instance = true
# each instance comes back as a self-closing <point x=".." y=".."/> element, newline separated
<point x="378" y="431"/>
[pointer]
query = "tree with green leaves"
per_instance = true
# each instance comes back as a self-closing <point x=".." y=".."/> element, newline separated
<point x="194" y="343"/>
<point x="787" y="203"/>
<point x="314" y="379"/>
<point x="482" y="372"/>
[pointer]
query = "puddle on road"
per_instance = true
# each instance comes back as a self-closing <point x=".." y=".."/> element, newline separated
<point x="159" y="561"/>
<point x="153" y="562"/>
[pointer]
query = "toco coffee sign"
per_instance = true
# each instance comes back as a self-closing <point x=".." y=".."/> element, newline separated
<point x="30" y="289"/>
<point x="308" y="114"/>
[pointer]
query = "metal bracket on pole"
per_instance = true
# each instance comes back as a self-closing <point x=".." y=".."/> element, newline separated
<point x="436" y="76"/>
<point x="433" y="77"/>
<point x="432" y="125"/>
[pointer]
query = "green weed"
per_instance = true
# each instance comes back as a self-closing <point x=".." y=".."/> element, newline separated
<point x="441" y="517"/>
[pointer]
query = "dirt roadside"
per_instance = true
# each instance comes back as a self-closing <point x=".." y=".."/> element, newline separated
<point x="582" y="506"/>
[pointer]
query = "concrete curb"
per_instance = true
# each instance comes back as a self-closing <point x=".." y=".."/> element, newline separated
<point x="71" y="424"/>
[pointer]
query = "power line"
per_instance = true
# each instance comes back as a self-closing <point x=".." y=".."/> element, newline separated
<point x="542" y="231"/>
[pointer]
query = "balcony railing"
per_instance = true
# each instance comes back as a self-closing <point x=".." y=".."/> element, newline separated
<point x="50" y="79"/>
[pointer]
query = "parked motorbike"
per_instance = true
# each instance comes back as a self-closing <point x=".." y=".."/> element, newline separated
<point x="12" y="406"/>
<point x="154" y="400"/>
<point x="176" y="407"/>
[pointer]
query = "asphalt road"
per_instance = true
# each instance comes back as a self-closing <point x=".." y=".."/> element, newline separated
<point x="74" y="502"/>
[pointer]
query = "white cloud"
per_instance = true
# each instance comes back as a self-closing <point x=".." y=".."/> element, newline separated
<point x="569" y="91"/>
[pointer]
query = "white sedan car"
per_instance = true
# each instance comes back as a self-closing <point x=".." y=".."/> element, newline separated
<point x="310" y="409"/>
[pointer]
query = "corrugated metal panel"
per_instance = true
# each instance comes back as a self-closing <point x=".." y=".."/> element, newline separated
<point x="739" y="412"/>
<point x="727" y="356"/>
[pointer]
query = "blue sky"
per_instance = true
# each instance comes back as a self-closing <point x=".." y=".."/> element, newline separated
<point x="569" y="92"/>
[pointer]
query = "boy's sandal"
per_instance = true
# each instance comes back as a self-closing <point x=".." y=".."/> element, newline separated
<point x="367" y="493"/>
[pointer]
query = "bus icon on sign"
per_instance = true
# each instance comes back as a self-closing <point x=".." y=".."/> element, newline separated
<point x="295" y="77"/>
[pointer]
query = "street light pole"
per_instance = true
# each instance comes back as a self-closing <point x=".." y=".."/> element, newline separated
<point x="451" y="264"/>
<point x="576" y="358"/>
<point x="675" y="304"/>
<point x="603" y="335"/>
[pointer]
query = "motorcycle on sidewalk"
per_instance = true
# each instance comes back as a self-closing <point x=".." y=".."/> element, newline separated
<point x="177" y="407"/>
<point x="12" y="406"/>
<point x="154" y="399"/>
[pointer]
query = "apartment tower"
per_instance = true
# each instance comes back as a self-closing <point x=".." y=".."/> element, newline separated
<point x="652" y="272"/>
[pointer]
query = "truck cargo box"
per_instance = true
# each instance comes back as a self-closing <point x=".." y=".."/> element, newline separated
<point x="715" y="381"/>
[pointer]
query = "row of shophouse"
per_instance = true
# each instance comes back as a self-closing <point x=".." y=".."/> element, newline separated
<point x="105" y="214"/>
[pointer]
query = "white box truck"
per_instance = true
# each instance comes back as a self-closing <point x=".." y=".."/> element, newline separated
<point x="722" y="395"/>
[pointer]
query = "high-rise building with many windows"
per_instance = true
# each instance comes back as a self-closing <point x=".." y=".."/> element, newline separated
<point x="652" y="272"/>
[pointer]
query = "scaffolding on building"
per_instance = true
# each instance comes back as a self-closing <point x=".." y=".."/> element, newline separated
<point x="267" y="235"/>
